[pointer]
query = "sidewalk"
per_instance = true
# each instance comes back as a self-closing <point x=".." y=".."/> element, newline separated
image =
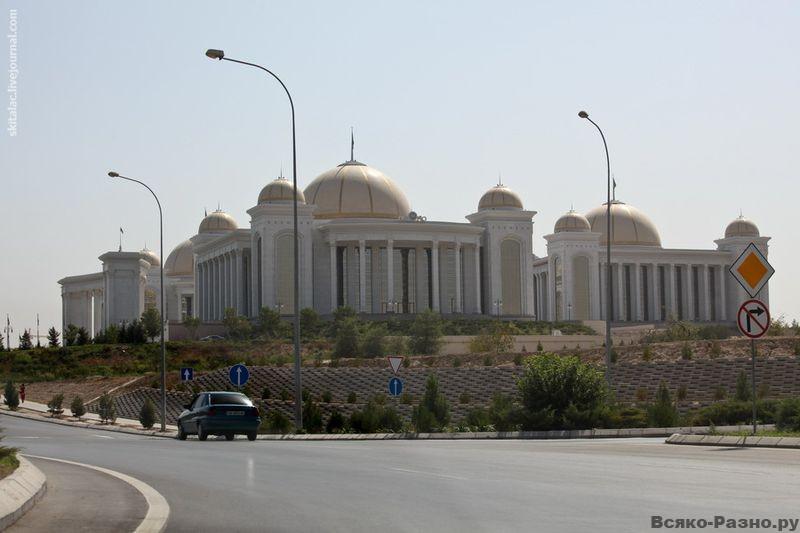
<point x="39" y="411"/>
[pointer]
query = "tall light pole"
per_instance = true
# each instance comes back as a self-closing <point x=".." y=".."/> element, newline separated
<point x="298" y="383"/>
<point x="609" y="277"/>
<point x="113" y="174"/>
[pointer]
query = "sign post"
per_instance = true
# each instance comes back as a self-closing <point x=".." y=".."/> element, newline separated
<point x="752" y="271"/>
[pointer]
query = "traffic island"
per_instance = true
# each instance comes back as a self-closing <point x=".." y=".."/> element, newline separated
<point x="751" y="441"/>
<point x="19" y="491"/>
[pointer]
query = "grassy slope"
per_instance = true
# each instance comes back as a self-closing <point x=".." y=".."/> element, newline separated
<point x="8" y="464"/>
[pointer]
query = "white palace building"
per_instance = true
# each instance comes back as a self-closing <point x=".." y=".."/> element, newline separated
<point x="362" y="246"/>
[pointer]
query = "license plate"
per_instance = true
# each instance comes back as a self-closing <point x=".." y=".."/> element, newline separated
<point x="235" y="413"/>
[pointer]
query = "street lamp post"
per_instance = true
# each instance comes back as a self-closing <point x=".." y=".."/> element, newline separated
<point x="113" y="174"/>
<point x="609" y="307"/>
<point x="298" y="384"/>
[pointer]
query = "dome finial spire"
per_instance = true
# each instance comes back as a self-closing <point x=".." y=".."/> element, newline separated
<point x="499" y="179"/>
<point x="352" y="144"/>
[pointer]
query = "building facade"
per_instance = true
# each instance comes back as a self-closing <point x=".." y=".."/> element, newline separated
<point x="360" y="245"/>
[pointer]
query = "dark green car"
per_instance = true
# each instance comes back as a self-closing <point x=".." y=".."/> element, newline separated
<point x="219" y="413"/>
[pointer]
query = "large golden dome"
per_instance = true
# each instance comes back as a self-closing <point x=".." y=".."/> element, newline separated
<point x="355" y="190"/>
<point x="628" y="225"/>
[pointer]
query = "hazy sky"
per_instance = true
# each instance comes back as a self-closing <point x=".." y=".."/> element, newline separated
<point x="698" y="101"/>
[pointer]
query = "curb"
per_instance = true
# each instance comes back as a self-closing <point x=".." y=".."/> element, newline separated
<point x="735" y="440"/>
<point x="20" y="491"/>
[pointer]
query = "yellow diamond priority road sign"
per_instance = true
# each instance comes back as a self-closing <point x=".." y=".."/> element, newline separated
<point x="752" y="270"/>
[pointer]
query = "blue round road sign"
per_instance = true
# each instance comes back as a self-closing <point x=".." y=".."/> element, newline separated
<point x="238" y="374"/>
<point x="395" y="386"/>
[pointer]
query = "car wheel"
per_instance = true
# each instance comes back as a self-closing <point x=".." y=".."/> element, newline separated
<point x="181" y="432"/>
<point x="201" y="433"/>
<point x="251" y="435"/>
<point x="228" y="436"/>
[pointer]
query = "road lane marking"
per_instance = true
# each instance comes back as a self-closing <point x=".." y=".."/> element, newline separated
<point x="29" y="437"/>
<point x="155" y="521"/>
<point x="103" y="436"/>
<point x="446" y="476"/>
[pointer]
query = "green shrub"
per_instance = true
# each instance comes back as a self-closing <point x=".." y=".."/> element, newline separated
<point x="426" y="333"/>
<point x="456" y="362"/>
<point x="464" y="397"/>
<point x="743" y="392"/>
<point x="503" y="415"/>
<point x="335" y="423"/>
<point x="518" y="359"/>
<point x="276" y="422"/>
<point x="433" y="411"/>
<point x="763" y="391"/>
<point x="375" y="417"/>
<point x="106" y="409"/>
<point x="683" y="392"/>
<point x="615" y="417"/>
<point x="352" y="397"/>
<point x="787" y="416"/>
<point x="539" y="347"/>
<point x="733" y="412"/>
<point x="642" y="394"/>
<point x="647" y="354"/>
<point x="346" y="343"/>
<point x="560" y="393"/>
<point x="309" y="322"/>
<point x="312" y="416"/>
<point x="11" y="396"/>
<point x="147" y="414"/>
<point x="406" y="399"/>
<point x="55" y="405"/>
<point x="477" y="419"/>
<point x="686" y="351"/>
<point x="374" y="344"/>
<point x="720" y="393"/>
<point x="662" y="413"/>
<point x="326" y="396"/>
<point x="77" y="407"/>
<point x="284" y="395"/>
<point x="397" y="346"/>
<point x="487" y="360"/>
<point x="715" y="350"/>
<point x="496" y="338"/>
<point x="270" y="324"/>
<point x="265" y="393"/>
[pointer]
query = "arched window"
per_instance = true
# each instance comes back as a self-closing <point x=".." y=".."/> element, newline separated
<point x="558" y="269"/>
<point x="580" y="288"/>
<point x="284" y="274"/>
<point x="511" y="277"/>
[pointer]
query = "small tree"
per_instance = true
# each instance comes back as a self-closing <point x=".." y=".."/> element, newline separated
<point x="11" y="395"/>
<point x="269" y="322"/>
<point x="502" y="413"/>
<point x="686" y="351"/>
<point x="663" y="412"/>
<point x="312" y="416"/>
<point x="70" y="334"/>
<point x="743" y="392"/>
<point x="55" y="405"/>
<point x="25" y="342"/>
<point x="309" y="322"/>
<point x="433" y="411"/>
<point x="426" y="333"/>
<point x="496" y="339"/>
<point x="237" y="326"/>
<point x="191" y="323"/>
<point x="151" y="322"/>
<point x="375" y="341"/>
<point x="2" y="343"/>
<point x="336" y="422"/>
<point x="82" y="338"/>
<point x="106" y="409"/>
<point x="347" y="337"/>
<point x="147" y="414"/>
<point x="77" y="407"/>
<point x="52" y="337"/>
<point x="277" y="422"/>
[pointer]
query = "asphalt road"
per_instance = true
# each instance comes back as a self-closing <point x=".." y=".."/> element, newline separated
<point x="553" y="486"/>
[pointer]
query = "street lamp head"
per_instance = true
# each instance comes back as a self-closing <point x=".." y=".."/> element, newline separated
<point x="113" y="174"/>
<point x="215" y="54"/>
<point x="583" y="114"/>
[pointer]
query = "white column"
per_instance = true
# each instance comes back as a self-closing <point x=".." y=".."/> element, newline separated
<point x="420" y="273"/>
<point x="478" y="278"/>
<point x="672" y="274"/>
<point x="435" y="274"/>
<point x="637" y="299"/>
<point x="656" y="293"/>
<point x="334" y="297"/>
<point x="389" y="274"/>
<point x="621" y="308"/>
<point x="723" y="307"/>
<point x="690" y="295"/>
<point x="362" y="276"/>
<point x="237" y="276"/>
<point x="459" y="306"/>
<point x="706" y="301"/>
<point x="377" y="277"/>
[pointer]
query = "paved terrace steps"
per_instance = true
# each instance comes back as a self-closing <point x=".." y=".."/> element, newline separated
<point x="701" y="377"/>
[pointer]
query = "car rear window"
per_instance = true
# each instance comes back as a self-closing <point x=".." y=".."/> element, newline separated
<point x="235" y="399"/>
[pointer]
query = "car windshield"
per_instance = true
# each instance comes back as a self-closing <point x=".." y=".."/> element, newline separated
<point x="227" y="399"/>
